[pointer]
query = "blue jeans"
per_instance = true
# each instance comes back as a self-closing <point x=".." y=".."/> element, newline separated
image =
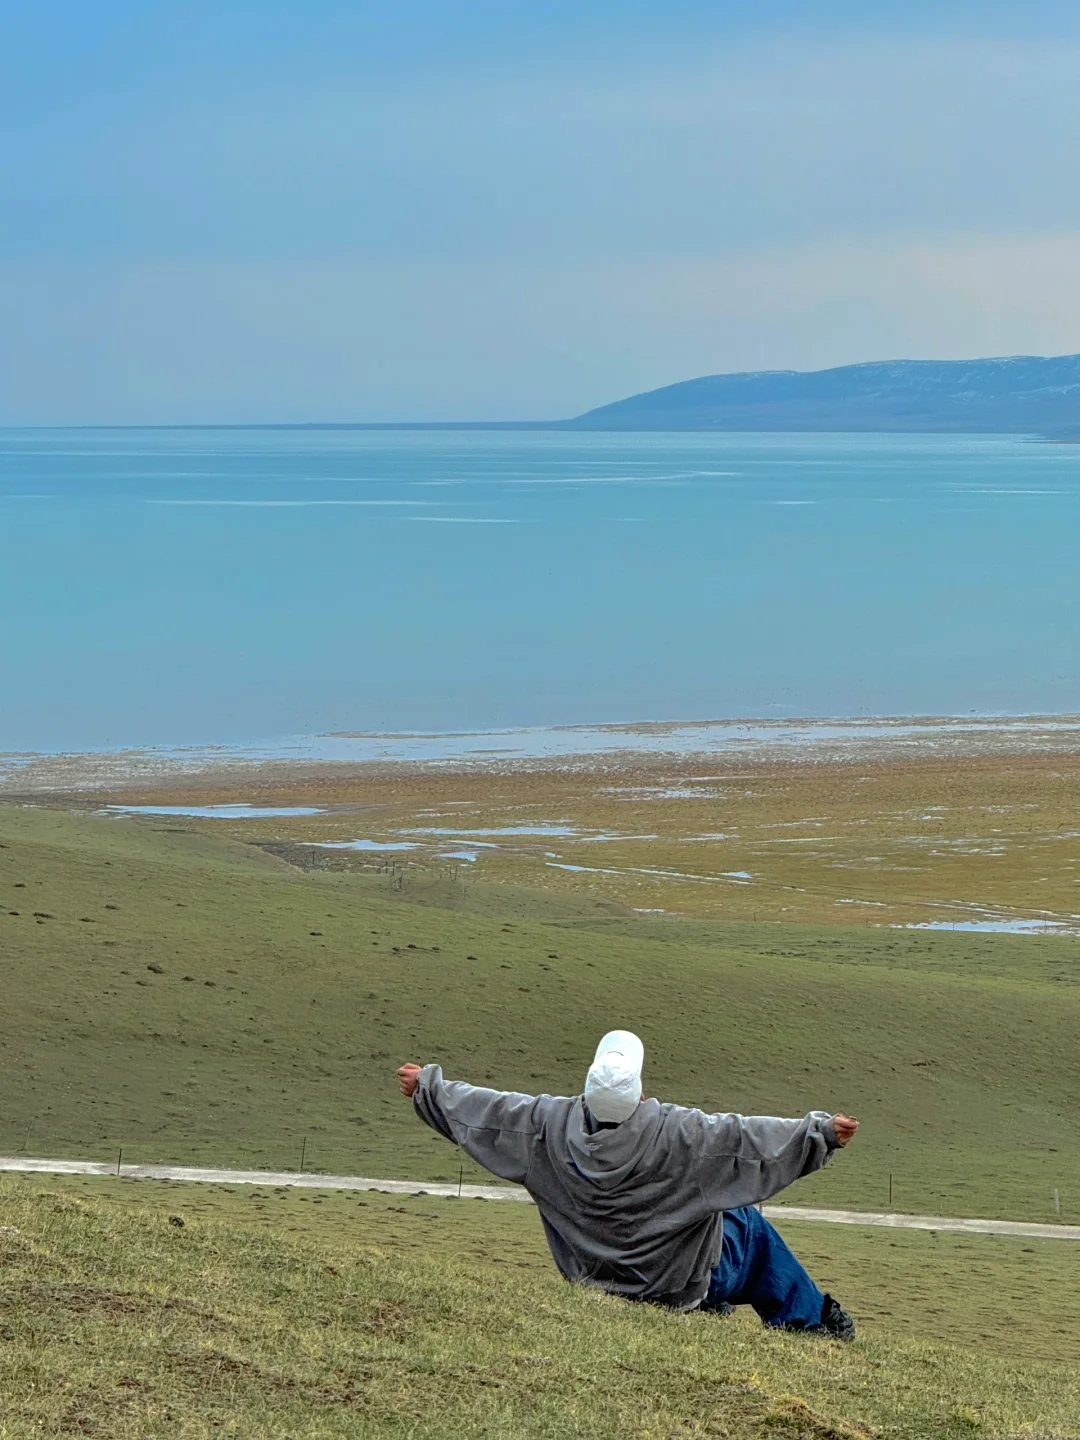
<point x="756" y="1268"/>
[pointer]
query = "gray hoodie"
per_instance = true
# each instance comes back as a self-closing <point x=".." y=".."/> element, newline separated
<point x="635" y="1208"/>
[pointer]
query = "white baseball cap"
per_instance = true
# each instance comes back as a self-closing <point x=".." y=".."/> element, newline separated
<point x="613" y="1084"/>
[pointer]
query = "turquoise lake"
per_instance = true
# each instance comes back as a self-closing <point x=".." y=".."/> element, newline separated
<point x="230" y="586"/>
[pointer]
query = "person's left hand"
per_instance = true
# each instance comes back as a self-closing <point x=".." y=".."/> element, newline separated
<point x="409" y="1078"/>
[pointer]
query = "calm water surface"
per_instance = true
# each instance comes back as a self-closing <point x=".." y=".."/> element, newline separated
<point x="195" y="587"/>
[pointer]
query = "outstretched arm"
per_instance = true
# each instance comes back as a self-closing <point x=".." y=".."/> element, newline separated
<point x="495" y="1127"/>
<point x="745" y="1159"/>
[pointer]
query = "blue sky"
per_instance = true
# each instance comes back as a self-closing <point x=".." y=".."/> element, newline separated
<point x="300" y="211"/>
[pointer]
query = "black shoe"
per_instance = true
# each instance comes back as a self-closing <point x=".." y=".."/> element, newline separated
<point x="718" y="1307"/>
<point x="835" y="1320"/>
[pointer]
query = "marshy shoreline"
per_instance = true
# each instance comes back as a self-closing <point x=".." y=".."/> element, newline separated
<point x="630" y="747"/>
<point x="965" y="824"/>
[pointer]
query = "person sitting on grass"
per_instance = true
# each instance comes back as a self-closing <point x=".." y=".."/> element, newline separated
<point x="645" y="1200"/>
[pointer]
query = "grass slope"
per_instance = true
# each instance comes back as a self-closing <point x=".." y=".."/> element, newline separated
<point x="1012" y="1297"/>
<point x="117" y="1323"/>
<point x="283" y="1001"/>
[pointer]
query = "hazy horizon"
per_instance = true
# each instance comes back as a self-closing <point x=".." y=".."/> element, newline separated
<point x="273" y="213"/>
<point x="483" y="422"/>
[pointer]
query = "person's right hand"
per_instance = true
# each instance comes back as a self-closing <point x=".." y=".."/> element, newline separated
<point x="845" y="1128"/>
<point x="408" y="1078"/>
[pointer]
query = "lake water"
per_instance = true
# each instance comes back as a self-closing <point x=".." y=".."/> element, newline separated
<point x="233" y="586"/>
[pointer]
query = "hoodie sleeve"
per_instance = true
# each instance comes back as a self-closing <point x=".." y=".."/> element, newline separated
<point x="496" y="1128"/>
<point x="745" y="1159"/>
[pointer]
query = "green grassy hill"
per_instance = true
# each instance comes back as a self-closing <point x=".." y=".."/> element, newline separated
<point x="281" y="1002"/>
<point x="117" y="1322"/>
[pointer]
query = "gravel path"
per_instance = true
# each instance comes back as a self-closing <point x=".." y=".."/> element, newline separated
<point x="270" y="1178"/>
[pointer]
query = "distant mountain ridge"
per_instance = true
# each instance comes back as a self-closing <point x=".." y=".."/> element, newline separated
<point x="1016" y="394"/>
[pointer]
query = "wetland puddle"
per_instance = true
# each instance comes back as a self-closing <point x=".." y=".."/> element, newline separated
<point x="1000" y="926"/>
<point x="217" y="812"/>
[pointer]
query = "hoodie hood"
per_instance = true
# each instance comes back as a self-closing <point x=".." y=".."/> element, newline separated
<point x="609" y="1157"/>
